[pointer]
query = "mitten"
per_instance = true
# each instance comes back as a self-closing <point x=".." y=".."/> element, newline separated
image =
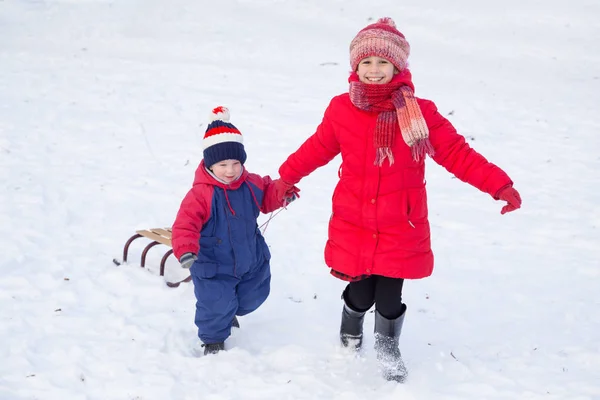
<point x="187" y="260"/>
<point x="285" y="192"/>
<point x="512" y="198"/>
<point x="291" y="195"/>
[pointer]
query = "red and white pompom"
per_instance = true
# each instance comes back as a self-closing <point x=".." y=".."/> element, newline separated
<point x="219" y="114"/>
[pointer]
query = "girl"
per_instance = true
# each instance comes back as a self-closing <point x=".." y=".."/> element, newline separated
<point x="379" y="230"/>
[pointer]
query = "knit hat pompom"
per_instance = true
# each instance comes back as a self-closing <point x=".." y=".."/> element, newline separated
<point x="222" y="140"/>
<point x="219" y="113"/>
<point x="388" y="21"/>
<point x="380" y="39"/>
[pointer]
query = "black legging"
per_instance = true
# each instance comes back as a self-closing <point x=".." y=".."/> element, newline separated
<point x="385" y="293"/>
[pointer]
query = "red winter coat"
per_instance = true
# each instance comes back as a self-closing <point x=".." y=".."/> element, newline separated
<point x="379" y="222"/>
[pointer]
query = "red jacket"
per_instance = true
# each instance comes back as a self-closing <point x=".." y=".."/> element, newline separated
<point x="379" y="219"/>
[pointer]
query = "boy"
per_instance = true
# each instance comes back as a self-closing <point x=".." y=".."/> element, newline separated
<point x="216" y="235"/>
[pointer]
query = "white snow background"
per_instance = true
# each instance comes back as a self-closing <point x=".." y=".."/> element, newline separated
<point x="103" y="105"/>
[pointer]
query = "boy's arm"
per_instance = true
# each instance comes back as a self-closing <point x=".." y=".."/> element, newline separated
<point x="276" y="197"/>
<point x="454" y="153"/>
<point x="270" y="201"/>
<point x="192" y="215"/>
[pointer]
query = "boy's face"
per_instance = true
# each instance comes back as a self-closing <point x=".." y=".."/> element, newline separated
<point x="375" y="70"/>
<point x="227" y="170"/>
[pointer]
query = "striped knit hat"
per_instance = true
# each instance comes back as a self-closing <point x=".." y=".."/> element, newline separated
<point x="222" y="140"/>
<point x="380" y="39"/>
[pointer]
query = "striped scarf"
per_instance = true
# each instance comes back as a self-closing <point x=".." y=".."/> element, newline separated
<point x="395" y="102"/>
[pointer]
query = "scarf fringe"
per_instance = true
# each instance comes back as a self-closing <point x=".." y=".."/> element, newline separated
<point x="382" y="154"/>
<point x="421" y="148"/>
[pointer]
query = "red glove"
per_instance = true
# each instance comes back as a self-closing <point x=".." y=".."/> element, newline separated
<point x="512" y="198"/>
<point x="285" y="192"/>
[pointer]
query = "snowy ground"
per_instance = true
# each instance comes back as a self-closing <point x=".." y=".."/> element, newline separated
<point x="103" y="106"/>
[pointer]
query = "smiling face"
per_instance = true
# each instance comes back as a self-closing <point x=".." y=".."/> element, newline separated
<point x="227" y="170"/>
<point x="375" y="70"/>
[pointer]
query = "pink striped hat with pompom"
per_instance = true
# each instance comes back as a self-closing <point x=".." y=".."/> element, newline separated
<point x="380" y="39"/>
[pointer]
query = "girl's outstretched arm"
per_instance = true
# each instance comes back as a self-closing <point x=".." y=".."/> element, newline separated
<point x="454" y="153"/>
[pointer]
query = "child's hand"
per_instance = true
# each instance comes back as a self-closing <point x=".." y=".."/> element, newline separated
<point x="286" y="192"/>
<point x="291" y="195"/>
<point x="187" y="260"/>
<point x="512" y="198"/>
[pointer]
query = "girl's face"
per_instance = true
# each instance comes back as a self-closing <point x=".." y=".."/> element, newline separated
<point x="375" y="70"/>
<point x="227" y="170"/>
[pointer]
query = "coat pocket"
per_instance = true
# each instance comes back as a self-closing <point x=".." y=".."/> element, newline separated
<point x="416" y="204"/>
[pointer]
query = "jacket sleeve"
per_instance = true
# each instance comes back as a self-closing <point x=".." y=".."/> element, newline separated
<point x="454" y="153"/>
<point x="270" y="201"/>
<point x="192" y="215"/>
<point x="315" y="152"/>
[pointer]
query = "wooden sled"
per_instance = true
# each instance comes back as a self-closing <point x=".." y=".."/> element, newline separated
<point x="157" y="236"/>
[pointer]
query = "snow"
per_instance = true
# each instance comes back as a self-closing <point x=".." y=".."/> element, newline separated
<point x="103" y="108"/>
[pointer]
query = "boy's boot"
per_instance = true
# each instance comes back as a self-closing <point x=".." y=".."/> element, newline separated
<point x="351" y="329"/>
<point x="235" y="322"/>
<point x="387" y="336"/>
<point x="213" y="348"/>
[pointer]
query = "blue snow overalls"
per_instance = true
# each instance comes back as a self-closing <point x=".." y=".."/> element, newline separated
<point x="232" y="274"/>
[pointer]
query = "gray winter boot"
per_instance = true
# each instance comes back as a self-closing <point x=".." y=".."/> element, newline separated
<point x="351" y="329"/>
<point x="213" y="348"/>
<point x="387" y="336"/>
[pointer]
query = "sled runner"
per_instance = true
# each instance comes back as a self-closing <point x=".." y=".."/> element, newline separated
<point x="157" y="236"/>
